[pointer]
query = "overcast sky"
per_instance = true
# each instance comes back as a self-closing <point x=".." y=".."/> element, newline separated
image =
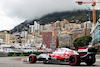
<point x="13" y="12"/>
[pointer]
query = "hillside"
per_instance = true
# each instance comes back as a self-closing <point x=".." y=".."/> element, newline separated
<point x="74" y="15"/>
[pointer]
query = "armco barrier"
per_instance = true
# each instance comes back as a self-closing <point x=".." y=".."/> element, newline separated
<point x="23" y="54"/>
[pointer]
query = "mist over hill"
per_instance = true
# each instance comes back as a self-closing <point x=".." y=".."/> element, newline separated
<point x="80" y="15"/>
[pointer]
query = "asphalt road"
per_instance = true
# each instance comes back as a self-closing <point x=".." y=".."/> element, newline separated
<point x="16" y="62"/>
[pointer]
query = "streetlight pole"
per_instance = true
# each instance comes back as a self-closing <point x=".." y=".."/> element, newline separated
<point x="86" y="29"/>
<point x="88" y="12"/>
<point x="88" y="15"/>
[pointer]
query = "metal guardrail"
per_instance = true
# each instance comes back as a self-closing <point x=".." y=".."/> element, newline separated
<point x="2" y="54"/>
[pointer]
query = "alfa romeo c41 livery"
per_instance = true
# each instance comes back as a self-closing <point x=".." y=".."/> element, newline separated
<point x="73" y="57"/>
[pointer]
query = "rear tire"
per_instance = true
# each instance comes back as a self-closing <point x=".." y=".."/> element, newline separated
<point x="90" y="60"/>
<point x="32" y="58"/>
<point x="89" y="63"/>
<point x="74" y="60"/>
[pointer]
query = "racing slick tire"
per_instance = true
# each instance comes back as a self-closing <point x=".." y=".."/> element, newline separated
<point x="74" y="60"/>
<point x="45" y="61"/>
<point x="90" y="59"/>
<point x="32" y="58"/>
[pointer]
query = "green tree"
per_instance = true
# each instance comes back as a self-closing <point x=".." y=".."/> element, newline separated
<point x="82" y="41"/>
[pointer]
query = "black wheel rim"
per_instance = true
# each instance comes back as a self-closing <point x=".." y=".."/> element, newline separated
<point x="72" y="60"/>
<point x="30" y="59"/>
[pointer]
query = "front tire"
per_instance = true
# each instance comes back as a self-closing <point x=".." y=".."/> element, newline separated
<point x="32" y="58"/>
<point x="45" y="61"/>
<point x="74" y="60"/>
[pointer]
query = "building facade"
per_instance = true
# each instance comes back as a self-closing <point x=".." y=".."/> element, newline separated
<point x="5" y="36"/>
<point x="77" y="33"/>
<point x="24" y="34"/>
<point x="65" y="39"/>
<point x="54" y="42"/>
<point x="95" y="33"/>
<point x="31" y="28"/>
<point x="48" y="36"/>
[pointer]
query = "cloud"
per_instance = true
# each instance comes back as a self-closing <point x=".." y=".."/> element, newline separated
<point x="16" y="11"/>
<point x="7" y="23"/>
<point x="31" y="9"/>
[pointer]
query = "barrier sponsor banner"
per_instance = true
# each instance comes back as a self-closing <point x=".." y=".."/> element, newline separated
<point x="24" y="54"/>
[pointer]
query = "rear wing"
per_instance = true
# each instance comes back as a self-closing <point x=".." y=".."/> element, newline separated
<point x="87" y="49"/>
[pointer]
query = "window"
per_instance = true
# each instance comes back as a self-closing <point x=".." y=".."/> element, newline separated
<point x="99" y="27"/>
<point x="99" y="32"/>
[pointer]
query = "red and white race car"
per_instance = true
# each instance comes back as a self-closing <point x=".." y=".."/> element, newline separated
<point x="83" y="54"/>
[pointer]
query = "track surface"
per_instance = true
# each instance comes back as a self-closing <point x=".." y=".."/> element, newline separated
<point x="18" y="62"/>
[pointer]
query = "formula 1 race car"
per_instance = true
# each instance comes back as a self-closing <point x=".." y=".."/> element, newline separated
<point x="73" y="57"/>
